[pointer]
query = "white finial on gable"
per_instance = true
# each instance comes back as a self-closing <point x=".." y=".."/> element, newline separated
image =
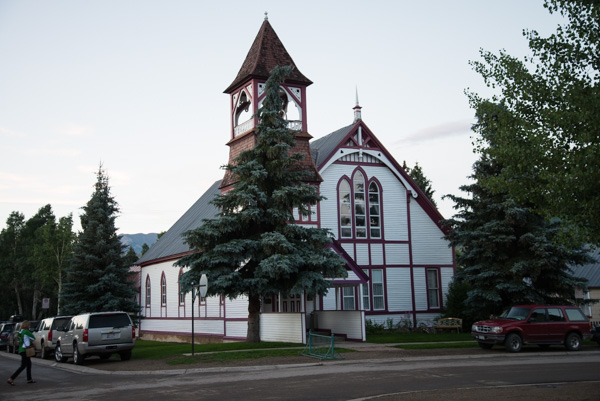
<point x="357" y="114"/>
<point x="266" y="16"/>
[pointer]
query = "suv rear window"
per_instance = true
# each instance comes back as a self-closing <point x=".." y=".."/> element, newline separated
<point x="60" y="322"/>
<point x="116" y="320"/>
<point x="575" y="315"/>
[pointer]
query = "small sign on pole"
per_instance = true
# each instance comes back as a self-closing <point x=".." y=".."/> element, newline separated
<point x="45" y="303"/>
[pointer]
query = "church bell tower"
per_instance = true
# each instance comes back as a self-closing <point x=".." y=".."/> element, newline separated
<point x="247" y="91"/>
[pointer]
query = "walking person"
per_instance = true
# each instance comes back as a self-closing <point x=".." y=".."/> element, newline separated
<point x="25" y="340"/>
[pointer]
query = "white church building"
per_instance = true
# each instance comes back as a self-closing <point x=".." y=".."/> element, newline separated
<point x="388" y="232"/>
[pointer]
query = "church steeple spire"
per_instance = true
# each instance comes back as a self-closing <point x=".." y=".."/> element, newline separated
<point x="357" y="108"/>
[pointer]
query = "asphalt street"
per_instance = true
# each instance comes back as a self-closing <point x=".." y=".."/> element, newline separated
<point x="553" y="376"/>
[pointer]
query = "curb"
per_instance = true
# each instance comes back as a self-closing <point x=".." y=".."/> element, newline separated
<point x="258" y="368"/>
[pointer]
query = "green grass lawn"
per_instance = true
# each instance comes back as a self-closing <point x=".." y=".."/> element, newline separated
<point x="162" y="350"/>
<point x="176" y="353"/>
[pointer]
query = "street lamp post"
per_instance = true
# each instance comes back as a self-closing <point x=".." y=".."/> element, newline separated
<point x="200" y="289"/>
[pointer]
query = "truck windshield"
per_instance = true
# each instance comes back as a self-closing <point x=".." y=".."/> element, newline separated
<point x="516" y="313"/>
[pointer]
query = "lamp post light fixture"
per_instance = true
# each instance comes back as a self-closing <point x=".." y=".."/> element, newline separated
<point x="198" y="289"/>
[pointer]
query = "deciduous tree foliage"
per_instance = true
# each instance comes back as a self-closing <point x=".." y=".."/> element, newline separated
<point x="549" y="139"/>
<point x="33" y="255"/>
<point x="98" y="279"/>
<point x="254" y="248"/>
<point x="508" y="254"/>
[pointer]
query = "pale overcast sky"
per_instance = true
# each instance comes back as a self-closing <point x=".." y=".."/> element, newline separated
<point x="138" y="86"/>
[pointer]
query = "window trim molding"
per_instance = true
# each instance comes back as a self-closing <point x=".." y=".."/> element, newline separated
<point x="430" y="290"/>
<point x="349" y="180"/>
<point x="163" y="289"/>
<point x="148" y="294"/>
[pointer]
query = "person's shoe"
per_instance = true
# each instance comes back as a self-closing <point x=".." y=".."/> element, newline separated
<point x="11" y="382"/>
<point x="31" y="381"/>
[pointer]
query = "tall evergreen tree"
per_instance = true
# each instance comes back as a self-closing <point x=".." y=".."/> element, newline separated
<point x="509" y="254"/>
<point x="254" y="248"/>
<point x="418" y="176"/>
<point x="98" y="280"/>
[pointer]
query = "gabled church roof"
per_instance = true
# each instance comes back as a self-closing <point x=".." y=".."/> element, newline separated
<point x="171" y="244"/>
<point x="322" y="148"/>
<point x="266" y="52"/>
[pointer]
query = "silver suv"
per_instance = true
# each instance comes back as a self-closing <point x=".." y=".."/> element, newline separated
<point x="101" y="334"/>
<point x="47" y="335"/>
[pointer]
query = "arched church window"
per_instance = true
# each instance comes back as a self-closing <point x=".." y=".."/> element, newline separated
<point x="163" y="290"/>
<point x="360" y="210"/>
<point x="148" y="293"/>
<point x="181" y="293"/>
<point x="284" y="102"/>
<point x="345" y="209"/>
<point x="374" y="211"/>
<point x="242" y="110"/>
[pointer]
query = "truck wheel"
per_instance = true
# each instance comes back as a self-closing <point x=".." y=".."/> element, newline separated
<point x="77" y="357"/>
<point x="58" y="356"/>
<point x="43" y="352"/>
<point x="513" y="343"/>
<point x="573" y="342"/>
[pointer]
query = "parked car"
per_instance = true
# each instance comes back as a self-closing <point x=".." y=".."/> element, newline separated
<point x="12" y="343"/>
<point x="101" y="334"/>
<point x="543" y="325"/>
<point x="5" y="330"/>
<point x="13" y="339"/>
<point x="46" y="335"/>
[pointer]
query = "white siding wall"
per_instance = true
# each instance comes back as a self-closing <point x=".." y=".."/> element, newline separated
<point x="329" y="213"/>
<point x="420" y="289"/>
<point x="236" y="329"/>
<point x="427" y="243"/>
<point x="350" y="323"/>
<point x="398" y="290"/>
<point x="349" y="248"/>
<point x="329" y="300"/>
<point x="395" y="219"/>
<point x="397" y="254"/>
<point x="362" y="254"/>
<point x="377" y="254"/>
<point x="284" y="327"/>
<point x="236" y="308"/>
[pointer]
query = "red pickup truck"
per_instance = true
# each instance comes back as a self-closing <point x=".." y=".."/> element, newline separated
<point x="543" y="325"/>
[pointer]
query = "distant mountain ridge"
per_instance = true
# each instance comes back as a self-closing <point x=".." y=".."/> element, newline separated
<point x="138" y="240"/>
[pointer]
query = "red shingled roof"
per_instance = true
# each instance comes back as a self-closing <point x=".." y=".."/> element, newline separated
<point x="266" y="52"/>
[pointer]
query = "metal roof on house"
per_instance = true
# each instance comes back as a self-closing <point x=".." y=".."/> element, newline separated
<point x="590" y="271"/>
<point x="171" y="243"/>
<point x="323" y="147"/>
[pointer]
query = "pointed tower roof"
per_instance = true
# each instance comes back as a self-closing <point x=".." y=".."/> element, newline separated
<point x="266" y="52"/>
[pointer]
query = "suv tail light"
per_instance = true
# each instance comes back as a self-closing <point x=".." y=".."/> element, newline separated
<point x="85" y="335"/>
<point x="50" y="334"/>
<point x="132" y="331"/>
